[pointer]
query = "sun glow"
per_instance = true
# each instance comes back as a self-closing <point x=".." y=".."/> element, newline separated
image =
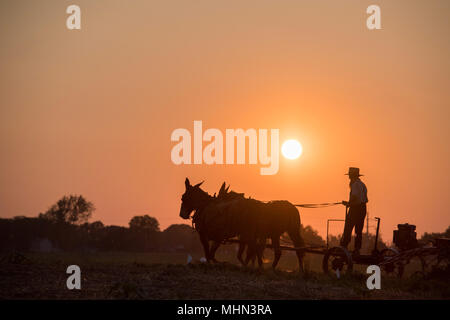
<point x="291" y="149"/>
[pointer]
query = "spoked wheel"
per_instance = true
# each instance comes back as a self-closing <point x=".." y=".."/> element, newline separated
<point x="391" y="268"/>
<point x="337" y="261"/>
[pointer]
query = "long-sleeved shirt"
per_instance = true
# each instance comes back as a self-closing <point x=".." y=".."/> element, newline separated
<point x="358" y="192"/>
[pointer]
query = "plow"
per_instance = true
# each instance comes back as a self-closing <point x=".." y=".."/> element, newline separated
<point x="426" y="257"/>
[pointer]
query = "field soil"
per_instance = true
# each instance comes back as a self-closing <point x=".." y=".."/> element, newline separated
<point x="168" y="276"/>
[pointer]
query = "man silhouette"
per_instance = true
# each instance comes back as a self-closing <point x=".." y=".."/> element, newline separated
<point x="356" y="210"/>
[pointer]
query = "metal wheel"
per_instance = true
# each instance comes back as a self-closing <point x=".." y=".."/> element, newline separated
<point x="394" y="268"/>
<point x="337" y="261"/>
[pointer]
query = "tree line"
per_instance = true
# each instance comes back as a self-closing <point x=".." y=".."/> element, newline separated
<point x="65" y="226"/>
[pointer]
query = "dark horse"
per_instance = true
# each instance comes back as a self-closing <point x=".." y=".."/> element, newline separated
<point x="218" y="220"/>
<point x="225" y="195"/>
<point x="212" y="219"/>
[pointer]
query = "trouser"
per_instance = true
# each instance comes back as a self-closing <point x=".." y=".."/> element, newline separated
<point x="355" y="219"/>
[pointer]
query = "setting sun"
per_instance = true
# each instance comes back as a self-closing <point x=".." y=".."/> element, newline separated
<point x="291" y="149"/>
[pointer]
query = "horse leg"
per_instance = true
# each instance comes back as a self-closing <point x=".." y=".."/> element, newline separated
<point x="277" y="250"/>
<point x="251" y="251"/>
<point x="242" y="246"/>
<point x="205" y="243"/>
<point x="213" y="249"/>
<point x="298" y="242"/>
<point x="260" y="251"/>
<point x="254" y="257"/>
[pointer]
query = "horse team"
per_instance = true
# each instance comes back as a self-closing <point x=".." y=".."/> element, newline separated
<point x="230" y="214"/>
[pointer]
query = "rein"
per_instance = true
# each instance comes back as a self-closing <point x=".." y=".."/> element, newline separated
<point x="317" y="205"/>
<point x="197" y="212"/>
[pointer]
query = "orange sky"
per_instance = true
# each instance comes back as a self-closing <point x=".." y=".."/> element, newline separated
<point x="91" y="111"/>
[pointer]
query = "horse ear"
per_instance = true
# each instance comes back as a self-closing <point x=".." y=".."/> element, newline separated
<point x="199" y="184"/>
<point x="222" y="188"/>
<point x="187" y="183"/>
<point x="226" y="190"/>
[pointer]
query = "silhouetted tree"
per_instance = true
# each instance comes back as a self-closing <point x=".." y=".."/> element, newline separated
<point x="73" y="209"/>
<point x="180" y="237"/>
<point x="311" y="236"/>
<point x="144" y="232"/>
<point x="96" y="225"/>
<point x="427" y="237"/>
<point x="19" y="217"/>
<point x="144" y="222"/>
<point x="117" y="238"/>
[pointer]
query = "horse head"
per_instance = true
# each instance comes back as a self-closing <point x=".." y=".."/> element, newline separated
<point x="193" y="199"/>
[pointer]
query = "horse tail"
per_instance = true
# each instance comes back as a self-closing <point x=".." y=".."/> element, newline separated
<point x="295" y="226"/>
